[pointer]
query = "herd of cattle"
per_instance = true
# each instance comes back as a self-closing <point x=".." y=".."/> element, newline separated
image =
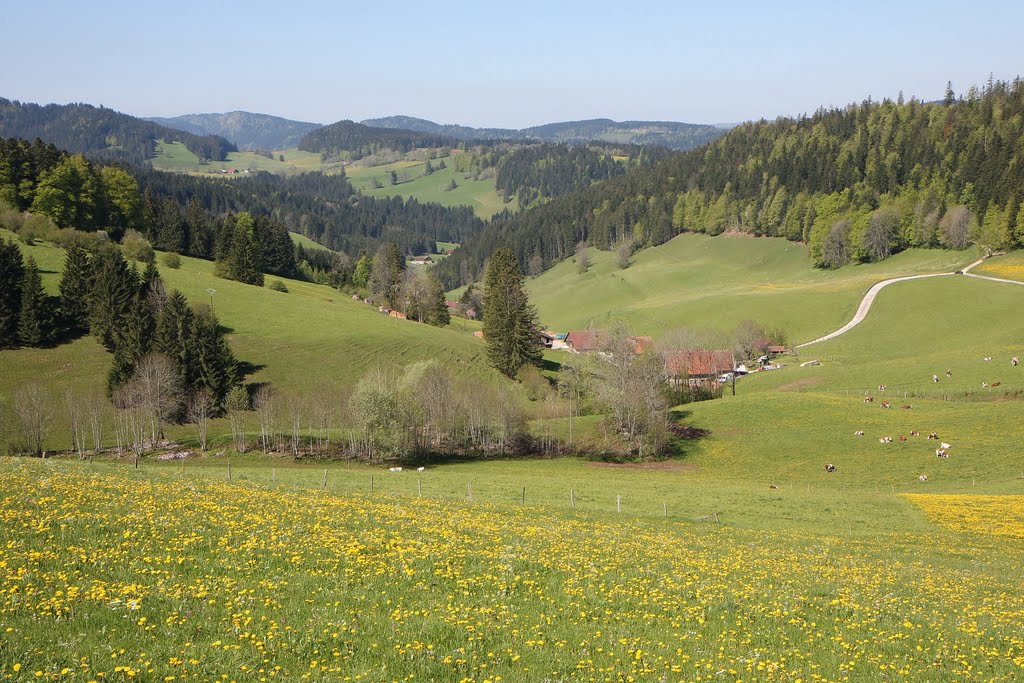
<point x="943" y="450"/>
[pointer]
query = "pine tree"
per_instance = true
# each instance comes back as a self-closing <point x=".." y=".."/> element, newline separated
<point x="35" y="321"/>
<point x="74" y="290"/>
<point x="114" y="285"/>
<point x="361" y="275"/>
<point x="509" y="319"/>
<point x="134" y="340"/>
<point x="215" y="365"/>
<point x="12" y="272"/>
<point x="173" y="335"/>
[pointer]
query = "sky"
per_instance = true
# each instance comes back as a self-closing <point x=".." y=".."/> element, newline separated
<point x="501" y="64"/>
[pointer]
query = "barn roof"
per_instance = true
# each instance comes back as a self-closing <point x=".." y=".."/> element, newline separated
<point x="698" y="362"/>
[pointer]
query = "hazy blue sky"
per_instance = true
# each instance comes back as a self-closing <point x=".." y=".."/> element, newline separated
<point x="514" y="64"/>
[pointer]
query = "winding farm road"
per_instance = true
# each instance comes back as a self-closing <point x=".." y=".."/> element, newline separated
<point x="869" y="298"/>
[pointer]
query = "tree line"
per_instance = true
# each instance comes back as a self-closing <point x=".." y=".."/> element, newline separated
<point x="855" y="183"/>
<point x="101" y="134"/>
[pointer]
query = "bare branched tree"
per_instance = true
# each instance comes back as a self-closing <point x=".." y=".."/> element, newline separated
<point x="236" y="404"/>
<point x="263" y="406"/>
<point x="73" y="410"/>
<point x="199" y="410"/>
<point x="33" y="408"/>
<point x="98" y="409"/>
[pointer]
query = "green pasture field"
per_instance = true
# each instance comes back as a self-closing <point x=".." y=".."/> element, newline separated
<point x="1008" y="266"/>
<point x="163" y="573"/>
<point x="175" y="156"/>
<point x="478" y="194"/>
<point x="304" y="241"/>
<point x="696" y="280"/>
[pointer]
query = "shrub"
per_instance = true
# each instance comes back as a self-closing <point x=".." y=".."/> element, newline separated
<point x="136" y="247"/>
<point x="171" y="260"/>
<point x="279" y="286"/>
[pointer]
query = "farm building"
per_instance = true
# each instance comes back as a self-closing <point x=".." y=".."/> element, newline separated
<point x="585" y="341"/>
<point x="698" y="365"/>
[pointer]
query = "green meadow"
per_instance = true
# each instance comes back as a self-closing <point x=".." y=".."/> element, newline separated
<point x="701" y="281"/>
<point x="478" y="194"/>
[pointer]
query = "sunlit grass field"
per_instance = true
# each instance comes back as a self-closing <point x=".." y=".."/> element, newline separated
<point x="158" y="574"/>
<point x="695" y="280"/>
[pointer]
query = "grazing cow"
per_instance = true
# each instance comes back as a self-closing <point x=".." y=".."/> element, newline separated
<point x="984" y="385"/>
<point x="935" y="378"/>
<point x="830" y="468"/>
<point x="941" y="453"/>
<point x="885" y="404"/>
<point x="1015" y="361"/>
<point x="906" y="406"/>
<point x="995" y="384"/>
<point x="394" y="469"/>
<point x="914" y="432"/>
<point x="881" y="387"/>
<point x="949" y="373"/>
<point x="420" y="469"/>
<point x="773" y="487"/>
<point x="869" y="399"/>
<point x="902" y="438"/>
<point x="923" y="478"/>
<point x="944" y="445"/>
<point x="933" y="435"/>
<point x="987" y="358"/>
<point x="859" y="432"/>
<point x="885" y="439"/>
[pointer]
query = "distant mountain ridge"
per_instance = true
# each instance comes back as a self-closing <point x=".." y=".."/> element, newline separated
<point x="672" y="134"/>
<point x="245" y="129"/>
<point x="101" y="133"/>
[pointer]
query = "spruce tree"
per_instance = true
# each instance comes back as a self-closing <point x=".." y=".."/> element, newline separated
<point x="173" y="335"/>
<point x="510" y="329"/>
<point x="74" y="290"/>
<point x="134" y="340"/>
<point x="114" y="285"/>
<point x="12" y="272"/>
<point x="35" y="321"/>
<point x="215" y="365"/>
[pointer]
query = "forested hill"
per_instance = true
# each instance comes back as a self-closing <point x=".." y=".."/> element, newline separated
<point x="857" y="183"/>
<point x="245" y="129"/>
<point x="100" y="133"/>
<point x="360" y="140"/>
<point x="322" y="207"/>
<point x="671" y="134"/>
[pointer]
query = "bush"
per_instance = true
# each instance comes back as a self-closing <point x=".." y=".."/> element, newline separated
<point x="279" y="286"/>
<point x="171" y="260"/>
<point x="136" y="247"/>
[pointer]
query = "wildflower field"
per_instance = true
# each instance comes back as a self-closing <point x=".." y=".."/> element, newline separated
<point x="113" y="574"/>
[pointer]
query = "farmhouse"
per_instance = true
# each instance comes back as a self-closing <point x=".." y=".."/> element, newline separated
<point x="775" y="350"/>
<point x="697" y="365"/>
<point x="585" y="341"/>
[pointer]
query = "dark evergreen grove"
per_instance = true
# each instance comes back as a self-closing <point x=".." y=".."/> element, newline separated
<point x="902" y="173"/>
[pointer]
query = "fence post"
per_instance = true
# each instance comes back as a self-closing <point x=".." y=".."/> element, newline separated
<point x="524" y="495"/>
<point x="273" y="475"/>
<point x="229" y="470"/>
<point x="371" y="483"/>
<point x="419" y="487"/>
<point x="618" y="503"/>
<point x="572" y="496"/>
<point x="325" y="480"/>
<point x="665" y="507"/>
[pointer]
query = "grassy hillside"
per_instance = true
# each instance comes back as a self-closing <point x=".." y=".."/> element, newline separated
<point x="1009" y="266"/>
<point x="175" y="157"/>
<point x="310" y="336"/>
<point x="480" y="194"/>
<point x="697" y="280"/>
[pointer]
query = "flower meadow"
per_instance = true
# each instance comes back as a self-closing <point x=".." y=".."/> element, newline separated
<point x="995" y="515"/>
<point x="107" y="574"/>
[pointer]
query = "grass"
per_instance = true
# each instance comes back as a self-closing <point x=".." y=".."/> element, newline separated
<point x="176" y="157"/>
<point x="717" y="282"/>
<point x="304" y="241"/>
<point x="1008" y="266"/>
<point x="478" y="194"/>
<point x="158" y="573"/>
<point x="282" y="335"/>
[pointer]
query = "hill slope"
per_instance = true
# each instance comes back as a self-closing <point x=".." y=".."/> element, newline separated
<point x="856" y="184"/>
<point x="100" y="133"/>
<point x="670" y="134"/>
<point x="245" y="129"/>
